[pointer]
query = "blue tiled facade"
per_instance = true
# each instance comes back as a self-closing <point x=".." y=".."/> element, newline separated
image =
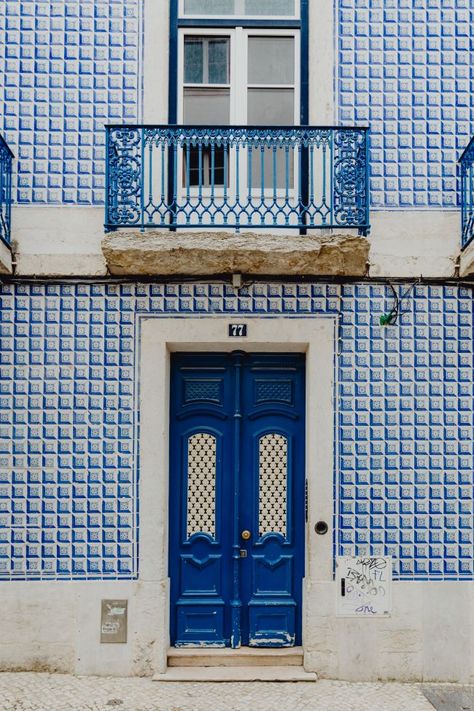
<point x="71" y="66"/>
<point x="405" y="67"/>
<point x="68" y="419"/>
<point x="67" y="68"/>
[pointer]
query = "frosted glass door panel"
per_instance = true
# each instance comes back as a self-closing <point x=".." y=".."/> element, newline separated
<point x="209" y="7"/>
<point x="271" y="60"/>
<point x="271" y="107"/>
<point x="270" y="7"/>
<point x="206" y="107"/>
<point x="272" y="168"/>
<point x="240" y="8"/>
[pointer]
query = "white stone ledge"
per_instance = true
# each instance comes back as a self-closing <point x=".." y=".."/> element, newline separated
<point x="58" y="241"/>
<point x="156" y="252"/>
<point x="414" y="243"/>
<point x="67" y="241"/>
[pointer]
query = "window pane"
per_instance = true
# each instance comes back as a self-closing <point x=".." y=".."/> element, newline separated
<point x="204" y="167"/>
<point x="206" y="107"/>
<point x="218" y="71"/>
<point x="270" y="7"/>
<point x="208" y="7"/>
<point x="193" y="61"/>
<point x="271" y="107"/>
<point x="206" y="60"/>
<point x="271" y="60"/>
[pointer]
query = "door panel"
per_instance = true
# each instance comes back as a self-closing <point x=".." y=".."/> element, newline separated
<point x="237" y="464"/>
<point x="272" y="505"/>
<point x="199" y="491"/>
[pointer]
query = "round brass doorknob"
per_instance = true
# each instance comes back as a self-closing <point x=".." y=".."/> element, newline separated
<point x="246" y="535"/>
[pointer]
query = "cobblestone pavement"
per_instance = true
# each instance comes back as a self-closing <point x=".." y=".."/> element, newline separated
<point x="46" y="692"/>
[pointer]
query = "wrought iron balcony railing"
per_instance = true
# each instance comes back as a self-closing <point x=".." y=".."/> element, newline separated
<point x="6" y="162"/>
<point x="238" y="177"/>
<point x="467" y="194"/>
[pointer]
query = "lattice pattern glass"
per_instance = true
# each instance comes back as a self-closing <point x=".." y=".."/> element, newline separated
<point x="273" y="474"/>
<point x="201" y="484"/>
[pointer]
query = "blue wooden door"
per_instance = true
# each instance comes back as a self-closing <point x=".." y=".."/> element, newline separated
<point x="237" y="499"/>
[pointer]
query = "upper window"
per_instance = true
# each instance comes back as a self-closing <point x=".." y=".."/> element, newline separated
<point x="206" y="86"/>
<point x="240" y="8"/>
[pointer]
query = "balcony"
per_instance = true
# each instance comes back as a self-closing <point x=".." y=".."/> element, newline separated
<point x="207" y="200"/>
<point x="237" y="178"/>
<point x="466" y="165"/>
<point x="6" y="161"/>
<point x="467" y="194"/>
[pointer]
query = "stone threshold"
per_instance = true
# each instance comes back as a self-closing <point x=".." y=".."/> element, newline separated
<point x="250" y="673"/>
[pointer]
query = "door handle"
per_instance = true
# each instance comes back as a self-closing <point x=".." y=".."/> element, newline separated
<point x="246" y="535"/>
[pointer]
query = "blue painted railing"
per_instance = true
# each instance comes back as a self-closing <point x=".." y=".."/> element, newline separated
<point x="467" y="194"/>
<point x="6" y="161"/>
<point x="237" y="177"/>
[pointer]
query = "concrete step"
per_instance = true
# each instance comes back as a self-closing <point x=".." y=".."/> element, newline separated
<point x="249" y="673"/>
<point x="243" y="657"/>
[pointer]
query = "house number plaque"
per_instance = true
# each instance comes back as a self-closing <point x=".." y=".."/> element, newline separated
<point x="237" y="330"/>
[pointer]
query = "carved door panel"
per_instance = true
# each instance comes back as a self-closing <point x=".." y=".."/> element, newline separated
<point x="236" y="499"/>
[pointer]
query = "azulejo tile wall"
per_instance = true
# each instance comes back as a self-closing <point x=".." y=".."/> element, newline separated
<point x="70" y="66"/>
<point x="405" y="430"/>
<point x="67" y="67"/>
<point x="68" y="478"/>
<point x="405" y="67"/>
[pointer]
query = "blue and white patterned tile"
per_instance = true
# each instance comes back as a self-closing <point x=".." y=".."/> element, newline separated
<point x="405" y="68"/>
<point x="410" y="429"/>
<point x="68" y="483"/>
<point x="69" y="67"/>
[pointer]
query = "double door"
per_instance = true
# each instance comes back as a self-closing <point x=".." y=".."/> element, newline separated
<point x="237" y="499"/>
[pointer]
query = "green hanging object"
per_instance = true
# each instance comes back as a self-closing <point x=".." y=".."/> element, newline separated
<point x="388" y="319"/>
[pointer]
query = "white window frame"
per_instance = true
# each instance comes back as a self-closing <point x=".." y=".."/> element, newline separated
<point x="238" y="77"/>
<point x="206" y="32"/>
<point x="275" y="18"/>
<point x="238" y="74"/>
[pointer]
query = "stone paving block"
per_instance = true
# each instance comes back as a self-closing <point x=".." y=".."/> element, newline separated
<point x="450" y="697"/>
<point x="46" y="692"/>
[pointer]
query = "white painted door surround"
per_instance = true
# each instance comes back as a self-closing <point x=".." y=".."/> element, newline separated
<point x="159" y="336"/>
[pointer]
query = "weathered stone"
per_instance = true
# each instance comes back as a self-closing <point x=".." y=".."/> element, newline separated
<point x="189" y="253"/>
<point x="466" y="262"/>
<point x="5" y="259"/>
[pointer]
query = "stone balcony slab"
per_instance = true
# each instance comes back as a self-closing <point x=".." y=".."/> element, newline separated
<point x="466" y="261"/>
<point x="188" y="253"/>
<point x="6" y="265"/>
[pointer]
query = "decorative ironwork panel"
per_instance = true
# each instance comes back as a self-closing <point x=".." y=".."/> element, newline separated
<point x="273" y="484"/>
<point x="240" y="177"/>
<point x="467" y="194"/>
<point x="350" y="174"/>
<point x="201" y="518"/>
